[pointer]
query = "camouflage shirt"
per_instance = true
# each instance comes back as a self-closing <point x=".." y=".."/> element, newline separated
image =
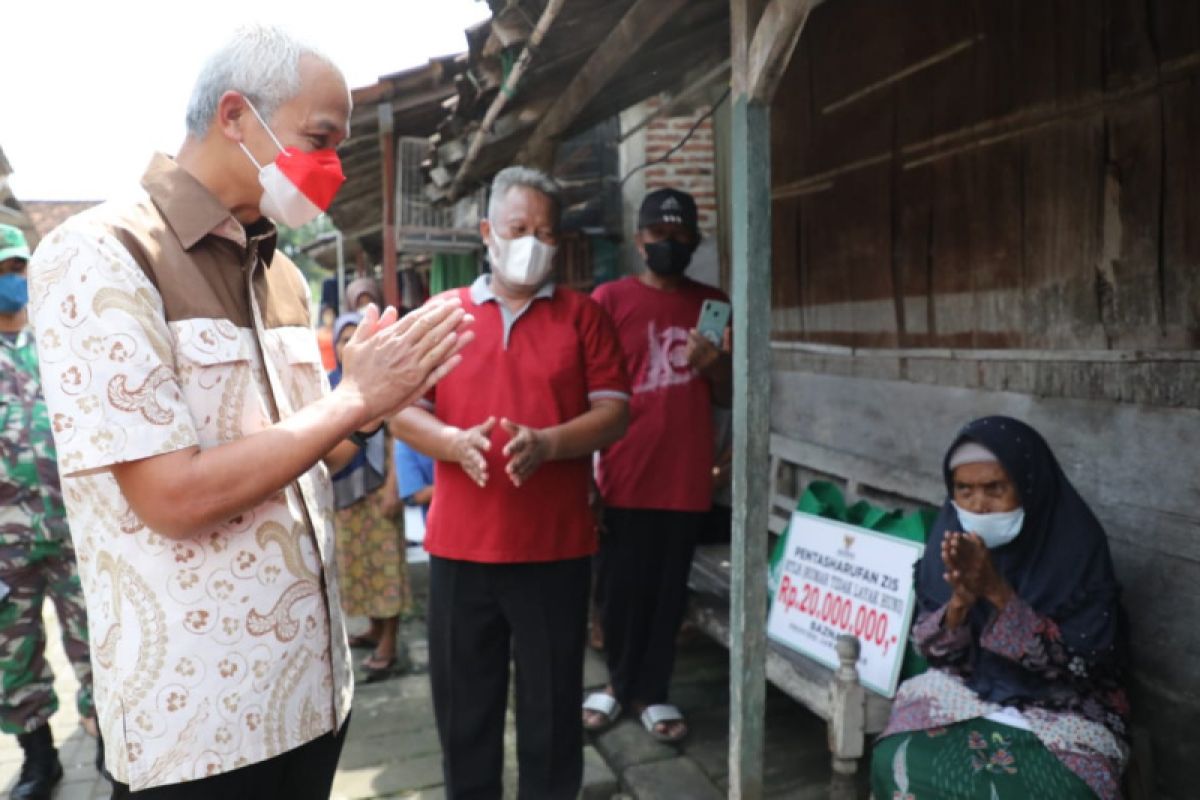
<point x="31" y="503"/>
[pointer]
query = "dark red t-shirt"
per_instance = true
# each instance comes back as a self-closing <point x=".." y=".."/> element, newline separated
<point x="665" y="460"/>
<point x="561" y="354"/>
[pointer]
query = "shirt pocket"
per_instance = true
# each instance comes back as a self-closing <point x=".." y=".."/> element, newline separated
<point x="214" y="363"/>
<point x="298" y="358"/>
<point x="555" y="382"/>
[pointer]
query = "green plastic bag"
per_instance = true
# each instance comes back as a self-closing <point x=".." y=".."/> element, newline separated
<point x="824" y="499"/>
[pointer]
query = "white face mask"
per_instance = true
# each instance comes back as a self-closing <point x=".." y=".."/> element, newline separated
<point x="523" y="263"/>
<point x="995" y="529"/>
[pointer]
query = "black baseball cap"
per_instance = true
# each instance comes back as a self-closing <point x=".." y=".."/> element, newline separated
<point x="669" y="205"/>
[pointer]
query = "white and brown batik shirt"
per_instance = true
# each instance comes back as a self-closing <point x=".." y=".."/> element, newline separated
<point x="162" y="324"/>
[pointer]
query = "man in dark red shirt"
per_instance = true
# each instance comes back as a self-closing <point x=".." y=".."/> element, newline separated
<point x="656" y="482"/>
<point x="510" y="532"/>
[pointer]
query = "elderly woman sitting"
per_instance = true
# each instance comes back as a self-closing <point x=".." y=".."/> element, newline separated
<point x="1019" y="617"/>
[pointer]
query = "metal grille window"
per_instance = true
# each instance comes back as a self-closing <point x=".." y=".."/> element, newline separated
<point x="422" y="225"/>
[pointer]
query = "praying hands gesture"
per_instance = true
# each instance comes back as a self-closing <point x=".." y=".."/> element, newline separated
<point x="972" y="575"/>
<point x="526" y="451"/>
<point x="391" y="361"/>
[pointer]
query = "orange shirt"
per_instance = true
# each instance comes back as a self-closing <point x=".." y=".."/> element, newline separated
<point x="325" y="342"/>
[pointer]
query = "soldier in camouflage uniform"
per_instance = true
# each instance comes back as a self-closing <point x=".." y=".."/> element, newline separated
<point x="36" y="556"/>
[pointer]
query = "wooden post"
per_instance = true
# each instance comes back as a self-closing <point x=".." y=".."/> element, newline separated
<point x="387" y="145"/>
<point x="751" y="282"/>
<point x="847" y="717"/>
<point x="763" y="37"/>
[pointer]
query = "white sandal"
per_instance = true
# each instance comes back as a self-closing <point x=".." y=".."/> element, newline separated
<point x="656" y="715"/>
<point x="606" y="706"/>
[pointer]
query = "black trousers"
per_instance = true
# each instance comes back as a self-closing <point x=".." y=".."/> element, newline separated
<point x="717" y="527"/>
<point x="305" y="773"/>
<point x="645" y="558"/>
<point x="480" y="616"/>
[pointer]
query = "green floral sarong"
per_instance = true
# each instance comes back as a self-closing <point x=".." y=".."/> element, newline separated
<point x="974" y="759"/>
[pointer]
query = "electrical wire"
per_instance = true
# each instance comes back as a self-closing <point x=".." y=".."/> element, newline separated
<point x="678" y="145"/>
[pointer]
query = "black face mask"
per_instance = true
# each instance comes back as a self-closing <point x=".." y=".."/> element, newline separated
<point x="668" y="257"/>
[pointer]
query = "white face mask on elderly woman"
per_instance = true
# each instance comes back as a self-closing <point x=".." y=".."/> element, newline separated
<point x="996" y="529"/>
<point x="523" y="263"/>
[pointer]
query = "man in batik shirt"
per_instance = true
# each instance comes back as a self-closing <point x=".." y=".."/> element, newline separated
<point x="36" y="557"/>
<point x="196" y="432"/>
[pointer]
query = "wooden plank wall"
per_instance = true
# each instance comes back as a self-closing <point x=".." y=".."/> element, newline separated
<point x="994" y="206"/>
<point x="992" y="174"/>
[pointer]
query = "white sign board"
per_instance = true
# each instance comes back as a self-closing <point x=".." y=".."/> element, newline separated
<point x="840" y="579"/>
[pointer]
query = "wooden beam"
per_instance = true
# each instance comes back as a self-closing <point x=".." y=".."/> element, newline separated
<point x="698" y="85"/>
<point x="743" y="20"/>
<point x="638" y="25"/>
<point x="464" y="173"/>
<point x="750" y="276"/>
<point x="387" y="146"/>
<point x="775" y="38"/>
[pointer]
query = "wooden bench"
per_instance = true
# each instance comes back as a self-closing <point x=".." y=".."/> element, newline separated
<point x="852" y="711"/>
<point x="836" y="696"/>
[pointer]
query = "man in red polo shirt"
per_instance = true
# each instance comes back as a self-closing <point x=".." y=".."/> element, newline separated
<point x="657" y="481"/>
<point x="510" y="532"/>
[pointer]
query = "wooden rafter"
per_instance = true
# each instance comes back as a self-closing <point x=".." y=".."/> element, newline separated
<point x="549" y="15"/>
<point x="623" y="42"/>
<point x="775" y="38"/>
<point x="387" y="147"/>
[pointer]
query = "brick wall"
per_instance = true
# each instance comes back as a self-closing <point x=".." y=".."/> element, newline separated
<point x="691" y="168"/>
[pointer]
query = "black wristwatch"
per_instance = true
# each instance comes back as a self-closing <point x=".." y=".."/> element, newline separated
<point x="360" y="438"/>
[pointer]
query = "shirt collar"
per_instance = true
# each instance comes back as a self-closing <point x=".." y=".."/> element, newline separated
<point x="193" y="212"/>
<point x="481" y="291"/>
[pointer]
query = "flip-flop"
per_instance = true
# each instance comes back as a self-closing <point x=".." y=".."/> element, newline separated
<point x="362" y="642"/>
<point x="656" y="715"/>
<point x="605" y="705"/>
<point x="376" y="674"/>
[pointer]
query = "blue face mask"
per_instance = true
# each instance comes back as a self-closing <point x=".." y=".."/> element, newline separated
<point x="14" y="293"/>
<point x="995" y="529"/>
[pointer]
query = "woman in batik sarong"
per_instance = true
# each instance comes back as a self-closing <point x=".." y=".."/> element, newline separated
<point x="1019" y="616"/>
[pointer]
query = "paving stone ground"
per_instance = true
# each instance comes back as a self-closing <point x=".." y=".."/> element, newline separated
<point x="392" y="750"/>
<point x="796" y="762"/>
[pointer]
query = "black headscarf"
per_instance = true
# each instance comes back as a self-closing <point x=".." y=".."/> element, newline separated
<point x="1059" y="563"/>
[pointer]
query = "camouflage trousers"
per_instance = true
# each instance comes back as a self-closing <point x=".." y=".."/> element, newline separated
<point x="27" y="697"/>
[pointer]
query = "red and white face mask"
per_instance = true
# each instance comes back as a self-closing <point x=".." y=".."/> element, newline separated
<point x="297" y="186"/>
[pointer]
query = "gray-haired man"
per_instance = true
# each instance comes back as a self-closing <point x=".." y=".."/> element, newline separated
<point x="194" y="428"/>
<point x="510" y="532"/>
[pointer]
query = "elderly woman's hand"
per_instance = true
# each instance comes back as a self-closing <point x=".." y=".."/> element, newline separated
<point x="961" y="598"/>
<point x="971" y="571"/>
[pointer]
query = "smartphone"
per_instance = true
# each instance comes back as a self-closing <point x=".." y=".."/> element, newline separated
<point x="714" y="318"/>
